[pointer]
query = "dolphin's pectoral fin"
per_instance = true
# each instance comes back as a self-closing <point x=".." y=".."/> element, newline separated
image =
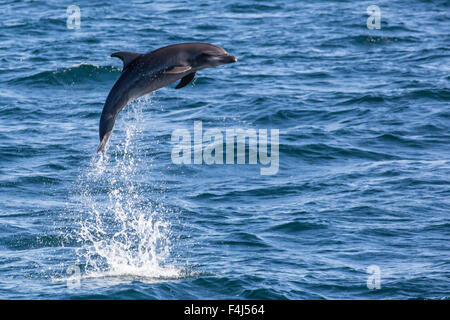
<point x="178" y="69"/>
<point x="185" y="80"/>
<point x="126" y="57"/>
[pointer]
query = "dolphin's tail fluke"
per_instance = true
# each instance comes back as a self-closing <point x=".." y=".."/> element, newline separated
<point x="111" y="109"/>
<point x="102" y="144"/>
<point x="106" y="125"/>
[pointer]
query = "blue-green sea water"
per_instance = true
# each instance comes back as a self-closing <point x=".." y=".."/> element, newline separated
<point x="362" y="191"/>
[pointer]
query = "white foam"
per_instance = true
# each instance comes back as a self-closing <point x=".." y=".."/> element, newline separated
<point x="122" y="232"/>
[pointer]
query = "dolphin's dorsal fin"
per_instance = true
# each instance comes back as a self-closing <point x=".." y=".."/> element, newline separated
<point x="126" y="57"/>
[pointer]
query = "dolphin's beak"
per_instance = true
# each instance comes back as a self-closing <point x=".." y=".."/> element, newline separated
<point x="228" y="59"/>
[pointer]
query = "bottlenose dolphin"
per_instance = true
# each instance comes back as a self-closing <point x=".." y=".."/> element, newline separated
<point x="144" y="73"/>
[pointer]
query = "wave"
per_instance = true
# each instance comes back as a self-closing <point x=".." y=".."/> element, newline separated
<point x="77" y="74"/>
<point x="363" y="40"/>
<point x="294" y="227"/>
<point x="324" y="151"/>
<point x="252" y="8"/>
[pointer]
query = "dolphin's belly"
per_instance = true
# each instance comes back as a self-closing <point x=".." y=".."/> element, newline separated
<point x="131" y="86"/>
<point x="148" y="84"/>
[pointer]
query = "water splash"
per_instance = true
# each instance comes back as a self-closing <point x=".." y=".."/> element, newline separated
<point x="122" y="230"/>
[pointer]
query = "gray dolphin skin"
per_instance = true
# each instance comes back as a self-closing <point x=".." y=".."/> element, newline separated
<point x="144" y="73"/>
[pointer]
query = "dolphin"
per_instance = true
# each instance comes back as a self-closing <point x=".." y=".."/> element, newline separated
<point x="144" y="73"/>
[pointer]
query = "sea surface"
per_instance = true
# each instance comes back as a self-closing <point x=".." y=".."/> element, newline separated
<point x="358" y="208"/>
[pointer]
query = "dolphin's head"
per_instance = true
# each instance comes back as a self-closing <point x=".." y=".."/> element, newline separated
<point x="208" y="56"/>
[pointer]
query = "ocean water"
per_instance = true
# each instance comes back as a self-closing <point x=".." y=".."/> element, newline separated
<point x="358" y="209"/>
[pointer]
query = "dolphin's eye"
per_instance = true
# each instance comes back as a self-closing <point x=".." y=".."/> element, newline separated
<point x="210" y="53"/>
<point x="203" y="56"/>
